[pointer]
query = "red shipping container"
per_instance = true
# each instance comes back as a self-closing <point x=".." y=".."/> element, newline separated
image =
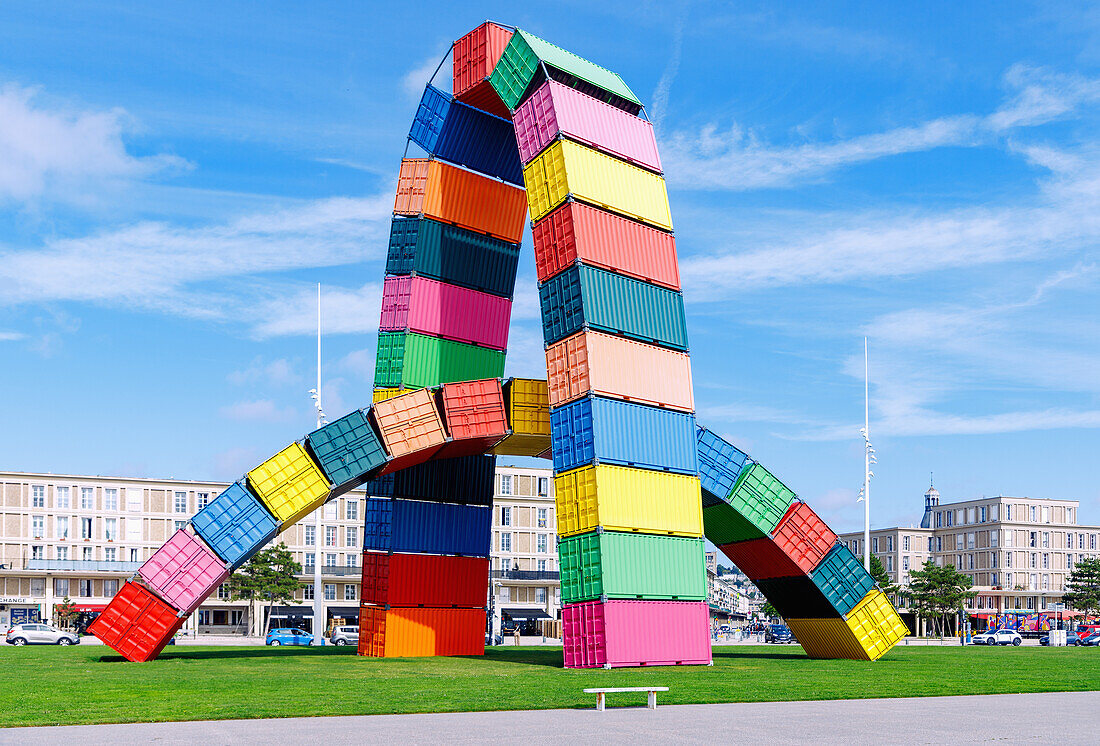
<point x="760" y="559"/>
<point x="428" y="580"/>
<point x="406" y="633"/>
<point x="803" y="536"/>
<point x="443" y="310"/>
<point x="463" y="198"/>
<point x="136" y="623"/>
<point x="475" y="416"/>
<point x="635" y="633"/>
<point x="475" y="56"/>
<point x="575" y="232"/>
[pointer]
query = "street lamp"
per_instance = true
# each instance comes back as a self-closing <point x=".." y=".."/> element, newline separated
<point x="318" y="585"/>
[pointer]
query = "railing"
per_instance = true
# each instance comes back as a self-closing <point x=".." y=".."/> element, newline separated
<point x="81" y="565"/>
<point x="526" y="575"/>
<point x="307" y="570"/>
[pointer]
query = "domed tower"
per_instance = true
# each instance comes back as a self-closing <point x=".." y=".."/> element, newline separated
<point x="931" y="501"/>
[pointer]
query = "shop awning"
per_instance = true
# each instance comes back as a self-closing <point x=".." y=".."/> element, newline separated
<point x="525" y="615"/>
<point x="90" y="607"/>
<point x="291" y="611"/>
<point x="347" y="612"/>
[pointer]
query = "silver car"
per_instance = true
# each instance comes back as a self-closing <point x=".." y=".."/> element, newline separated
<point x="345" y="635"/>
<point x="40" y="634"/>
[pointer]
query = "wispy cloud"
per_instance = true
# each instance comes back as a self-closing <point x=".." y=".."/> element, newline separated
<point x="275" y="373"/>
<point x="413" y="82"/>
<point x="11" y="336"/>
<point x="260" y="410"/>
<point x="343" y="311"/>
<point x="672" y="69"/>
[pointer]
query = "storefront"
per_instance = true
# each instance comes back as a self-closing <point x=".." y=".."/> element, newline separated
<point x="341" y="615"/>
<point x="18" y="610"/>
<point x="526" y="620"/>
<point x="87" y="614"/>
<point x="292" y="616"/>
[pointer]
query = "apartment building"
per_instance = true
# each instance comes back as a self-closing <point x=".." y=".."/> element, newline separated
<point x="1019" y="551"/>
<point x="725" y="599"/>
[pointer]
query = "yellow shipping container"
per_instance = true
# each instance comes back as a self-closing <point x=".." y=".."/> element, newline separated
<point x="567" y="168"/>
<point x="867" y="633"/>
<point x="827" y="638"/>
<point x="528" y="402"/>
<point x="383" y="394"/>
<point x="290" y="484"/>
<point x="619" y="498"/>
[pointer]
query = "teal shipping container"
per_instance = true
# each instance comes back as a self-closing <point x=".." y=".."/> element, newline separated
<point x="842" y="578"/>
<point x="347" y="450"/>
<point x="610" y="564"/>
<point x="428" y="248"/>
<point x="586" y="297"/>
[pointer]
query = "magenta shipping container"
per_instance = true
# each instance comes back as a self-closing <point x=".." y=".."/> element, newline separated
<point x="557" y="109"/>
<point x="444" y="310"/>
<point x="184" y="571"/>
<point x="635" y="633"/>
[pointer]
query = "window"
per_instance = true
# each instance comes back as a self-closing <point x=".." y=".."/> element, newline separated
<point x="993" y="579"/>
<point x="135" y="555"/>
<point x="38" y="587"/>
<point x="110" y="529"/>
<point x="939" y="543"/>
<point x="1008" y="559"/>
<point x="311" y="536"/>
<point x="61" y="587"/>
<point x="505" y="516"/>
<point x="506" y="484"/>
<point x="970" y="515"/>
<point x="330" y="536"/>
<point x="542" y="543"/>
<point x="110" y="588"/>
<point x="352" y="560"/>
<point x="177" y="525"/>
<point x="85" y="588"/>
<point x="110" y="554"/>
<point x="905" y="543"/>
<point x="1008" y="538"/>
<point x="1069" y="561"/>
<point x="1033" y="539"/>
<point x="179" y="502"/>
<point x="542" y="517"/>
<point x="38" y="527"/>
<point x="307" y="592"/>
<point x="62" y="553"/>
<point x="349" y="592"/>
<point x="544" y="486"/>
<point x="38" y="552"/>
<point x="1069" y="515"/>
<point x="329" y="511"/>
<point x="87" y="554"/>
<point x="992" y="512"/>
<point x="542" y="565"/>
<point x="930" y="544"/>
<point x="939" y="520"/>
<point x="85" y="528"/>
<point x="1046" y="539"/>
<point x="351" y="536"/>
<point x="110" y="498"/>
<point x="351" y="510"/>
<point x="1008" y="512"/>
<point x="874" y="545"/>
<point x="61" y="497"/>
<point x="1034" y="514"/>
<point x="1046" y="561"/>
<point x="1046" y="581"/>
<point x="330" y="560"/>
<point x="889" y="563"/>
<point x="223" y="592"/>
<point x="1046" y="514"/>
<point x="949" y="518"/>
<point x="994" y="538"/>
<point x="310" y="559"/>
<point x="1080" y="541"/>
<point x="540" y="595"/>
<point x="38" y="496"/>
<point x="889" y="543"/>
<point x="330" y="591"/>
<point x="506" y="541"/>
<point x="992" y="559"/>
<point x="981" y="516"/>
<point x="87" y="498"/>
<point x="1034" y="560"/>
<point x="202" y="499"/>
<point x="1092" y="541"/>
<point x="970" y="540"/>
<point x="904" y="563"/>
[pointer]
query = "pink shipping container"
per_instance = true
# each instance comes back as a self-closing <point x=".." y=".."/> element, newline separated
<point x="444" y="310"/>
<point x="555" y="109"/>
<point x="636" y="633"/>
<point x="578" y="232"/>
<point x="620" y="368"/>
<point x="184" y="571"/>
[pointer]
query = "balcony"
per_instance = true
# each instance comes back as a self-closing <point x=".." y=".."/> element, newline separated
<point x="56" y="565"/>
<point x="525" y="575"/>
<point x="332" y="570"/>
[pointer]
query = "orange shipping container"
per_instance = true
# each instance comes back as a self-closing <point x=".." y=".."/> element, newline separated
<point x="453" y="195"/>
<point x="619" y="368"/>
<point x="411" y="428"/>
<point x="407" y="633"/>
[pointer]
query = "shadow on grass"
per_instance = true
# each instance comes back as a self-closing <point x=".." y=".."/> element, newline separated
<point x="215" y="653"/>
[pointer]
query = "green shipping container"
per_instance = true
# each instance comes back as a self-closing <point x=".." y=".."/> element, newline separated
<point x="417" y="360"/>
<point x="520" y="63"/>
<point x="760" y="498"/>
<point x="620" y="565"/>
<point x="722" y="524"/>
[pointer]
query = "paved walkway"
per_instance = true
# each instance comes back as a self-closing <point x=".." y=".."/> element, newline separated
<point x="1068" y="718"/>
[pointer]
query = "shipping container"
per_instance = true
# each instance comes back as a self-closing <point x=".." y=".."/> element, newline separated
<point x="439" y="309"/>
<point x="589" y="298"/>
<point x="409" y="633"/>
<point x="427" y="527"/>
<point x="466" y="136"/>
<point x="290" y="484"/>
<point x="409" y="423"/>
<point x="557" y="110"/>
<point x="577" y="232"/>
<point x="723" y="524"/>
<point x="868" y="633"/>
<point x="424" y="580"/>
<point x="827" y="639"/>
<point x="475" y="409"/>
<point x="474" y="57"/>
<point x="635" y="633"/>
<point x="453" y="195"/>
<point x="598" y="430"/>
<point x="467" y="480"/>
<point x="347" y="450"/>
<point x="617" y="498"/>
<point x="184" y="571"/>
<point x="381" y="394"/>
<point x="797" y="598"/>
<point x="526" y="56"/>
<point x="527" y="402"/>
<point x="136" y="623"/>
<point x="619" y="368"/>
<point x="803" y="536"/>
<point x="429" y="248"/>
<point x="567" y="168"/>
<point x="760" y="499"/>
<point x="761" y="558"/>
<point x="720" y="464"/>
<point x="235" y="525"/>
<point x="416" y="360"/>
<point x="608" y="564"/>
<point x="842" y="578"/>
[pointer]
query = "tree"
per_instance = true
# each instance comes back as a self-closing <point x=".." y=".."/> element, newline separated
<point x="939" y="591"/>
<point x="270" y="577"/>
<point x="65" y="613"/>
<point x="878" y="572"/>
<point x="769" y="611"/>
<point x="1083" y="587"/>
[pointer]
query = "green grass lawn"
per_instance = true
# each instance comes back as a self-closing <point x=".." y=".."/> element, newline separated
<point x="86" y="684"/>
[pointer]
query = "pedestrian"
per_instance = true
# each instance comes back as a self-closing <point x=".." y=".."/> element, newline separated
<point x="517" y="635"/>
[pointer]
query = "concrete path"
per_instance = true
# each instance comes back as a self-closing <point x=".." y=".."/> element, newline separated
<point x="1067" y="718"/>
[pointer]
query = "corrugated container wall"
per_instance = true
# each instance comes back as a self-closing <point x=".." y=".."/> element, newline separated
<point x="803" y="536"/>
<point x="527" y="402"/>
<point x="428" y="248"/>
<point x="290" y="484"/>
<point x="417" y="360"/>
<point x="761" y="558"/>
<point x="474" y="57"/>
<point x="184" y="571"/>
<point x="720" y="464"/>
<point x="136" y="623"/>
<point x="235" y="525"/>
<point x="617" y="498"/>
<point x="466" y="481"/>
<point x="423" y="580"/>
<point x="409" y="423"/>
<point x="842" y="578"/>
<point x="635" y="633"/>
<point x="407" y="633"/>
<point x="347" y="450"/>
<point x="442" y="310"/>
<point x="609" y="564"/>
<point x="427" y="527"/>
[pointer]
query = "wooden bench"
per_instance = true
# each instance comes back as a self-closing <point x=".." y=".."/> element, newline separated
<point x="601" y="694"/>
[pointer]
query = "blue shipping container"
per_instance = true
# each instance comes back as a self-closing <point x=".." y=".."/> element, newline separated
<point x="425" y="247"/>
<point x="235" y="525"/>
<point x="347" y="450"/>
<point x="427" y="527"/>
<point x="467" y="480"/>
<point x="720" y="463"/>
<point x="598" y="430"/>
<point x="466" y="136"/>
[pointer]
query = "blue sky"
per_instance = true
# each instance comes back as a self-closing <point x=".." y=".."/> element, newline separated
<point x="173" y="183"/>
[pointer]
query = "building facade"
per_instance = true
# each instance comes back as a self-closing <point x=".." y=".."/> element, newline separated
<point x="725" y="598"/>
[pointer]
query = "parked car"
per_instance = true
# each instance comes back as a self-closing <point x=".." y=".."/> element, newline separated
<point x="40" y="634"/>
<point x="778" y="633"/>
<point x="346" y="635"/>
<point x="288" y="636"/>
<point x="998" y="637"/>
<point x="1071" y="639"/>
<point x="1090" y="640"/>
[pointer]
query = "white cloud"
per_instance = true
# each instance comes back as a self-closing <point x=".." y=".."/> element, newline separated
<point x="261" y="410"/>
<point x="359" y="363"/>
<point x="11" y="336"/>
<point x="413" y="82"/>
<point x="276" y="373"/>
<point x="343" y="311"/>
<point x="64" y="153"/>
